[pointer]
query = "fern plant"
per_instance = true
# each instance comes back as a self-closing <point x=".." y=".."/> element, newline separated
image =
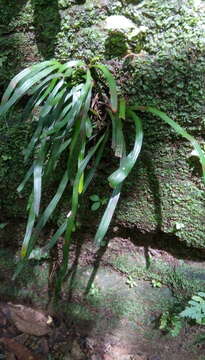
<point x="195" y="309"/>
<point x="78" y="112"/>
<point x="170" y="323"/>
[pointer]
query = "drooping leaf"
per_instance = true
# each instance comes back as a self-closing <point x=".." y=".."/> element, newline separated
<point x="107" y="216"/>
<point x="57" y="149"/>
<point x="180" y="130"/>
<point x="95" y="164"/>
<point x="37" y="176"/>
<point x="72" y="214"/>
<point x="50" y="100"/>
<point x="119" y="138"/>
<point x="22" y="90"/>
<point x="52" y="242"/>
<point x="27" y="152"/>
<point x="24" y="75"/>
<point x="128" y="162"/>
<point x="47" y="212"/>
<point x="26" y="178"/>
<point x="81" y="157"/>
<point x="29" y="229"/>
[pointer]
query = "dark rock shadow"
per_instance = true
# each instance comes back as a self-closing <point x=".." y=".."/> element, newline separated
<point x="46" y="26"/>
<point x="97" y="262"/>
<point x="46" y="21"/>
<point x="161" y="241"/>
<point x="73" y="270"/>
<point x="155" y="190"/>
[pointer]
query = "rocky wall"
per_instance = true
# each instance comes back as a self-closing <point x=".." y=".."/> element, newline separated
<point x="157" y="52"/>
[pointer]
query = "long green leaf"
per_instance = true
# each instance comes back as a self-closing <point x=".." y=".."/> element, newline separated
<point x="50" y="100"/>
<point x="22" y="90"/>
<point x="113" y="119"/>
<point x="75" y="146"/>
<point x="57" y="150"/>
<point x="86" y="106"/>
<point x="70" y="64"/>
<point x="119" y="138"/>
<point x="53" y="203"/>
<point x="70" y="111"/>
<point x="52" y="242"/>
<point x="70" y="225"/>
<point x="47" y="80"/>
<point x="29" y="229"/>
<point x="128" y="162"/>
<point x="37" y="176"/>
<point x="27" y="152"/>
<point x="88" y="127"/>
<point x="26" y="178"/>
<point x="80" y="158"/>
<point x="32" y="103"/>
<point x="48" y="88"/>
<point x="22" y="75"/>
<point x="99" y="155"/>
<point x="72" y="215"/>
<point x="107" y="216"/>
<point x="181" y="131"/>
<point x="30" y="238"/>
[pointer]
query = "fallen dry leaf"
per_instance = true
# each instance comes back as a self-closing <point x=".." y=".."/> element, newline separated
<point x="10" y="356"/>
<point x="30" y="321"/>
<point x="19" y="350"/>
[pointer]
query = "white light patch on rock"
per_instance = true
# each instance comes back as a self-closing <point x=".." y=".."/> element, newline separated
<point x="119" y="22"/>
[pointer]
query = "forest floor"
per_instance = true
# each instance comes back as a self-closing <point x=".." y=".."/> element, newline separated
<point x="110" y="306"/>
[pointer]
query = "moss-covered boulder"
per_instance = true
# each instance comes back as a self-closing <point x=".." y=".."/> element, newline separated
<point x="164" y="195"/>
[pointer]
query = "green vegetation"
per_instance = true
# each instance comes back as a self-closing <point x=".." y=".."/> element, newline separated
<point x="160" y="274"/>
<point x="97" y="202"/>
<point x="130" y="281"/>
<point x="71" y="123"/>
<point x="172" y="321"/>
<point x="195" y="309"/>
<point x="76" y="108"/>
<point x="67" y="120"/>
<point x="13" y="138"/>
<point x="187" y="290"/>
<point x="167" y="74"/>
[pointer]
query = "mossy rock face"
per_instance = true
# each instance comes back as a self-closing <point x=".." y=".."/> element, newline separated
<point x="116" y="40"/>
<point x="13" y="138"/>
<point x="165" y="191"/>
<point x="163" y="195"/>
